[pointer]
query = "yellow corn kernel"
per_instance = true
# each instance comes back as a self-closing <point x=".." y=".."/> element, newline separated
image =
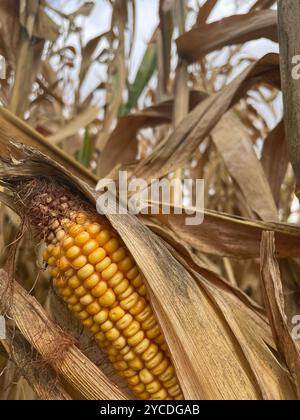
<point x="136" y="338"/>
<point x="100" y="336"/>
<point x="51" y="261"/>
<point x="56" y="251"/>
<point x="109" y="272"/>
<point x="60" y="235"/>
<point x="77" y="307"/>
<point x="119" y="343"/>
<point x="124" y="351"/>
<point x="101" y="316"/>
<point x="130" y="301"/>
<point x="74" y="282"/>
<point x="85" y="271"/>
<point x="160" y="340"/>
<point x="107" y="325"/>
<point x="80" y="291"/>
<point x="116" y="313"/>
<point x="61" y="282"/>
<point x="129" y="355"/>
<point x="124" y="322"/>
<point x="95" y="328"/>
<point x="82" y="238"/>
<point x="142" y="290"/>
<point x="67" y="292"/>
<point x="133" y="380"/>
<point x="63" y="264"/>
<point x="160" y="395"/>
<point x="170" y="382"/>
<point x="54" y="272"/>
<point x="126" y="264"/>
<point x="88" y="322"/>
<point x="97" y="256"/>
<point x="50" y="249"/>
<point x="72" y="300"/>
<point x="138" y="281"/>
<point x="118" y="255"/>
<point x="174" y="391"/>
<point x="128" y="292"/>
<point x="155" y="361"/>
<point x="158" y="370"/>
<point x="128" y="373"/>
<point x="68" y="242"/>
<point x="121" y="287"/>
<point x="100" y="289"/>
<point x="103" y="264"/>
<point x="103" y="237"/>
<point x="151" y="351"/>
<point x="75" y="230"/>
<point x="168" y="374"/>
<point x="136" y="364"/>
<point x="94" y="229"/>
<point x="79" y="262"/>
<point x="153" y="387"/>
<point x="69" y="273"/>
<point x="108" y="298"/>
<point x="138" y="307"/>
<point x="145" y="314"/>
<point x="73" y="252"/>
<point x="131" y="274"/>
<point x="93" y="308"/>
<point x="90" y="246"/>
<point x="142" y="346"/>
<point x="149" y="323"/>
<point x="133" y="328"/>
<point x="121" y="365"/>
<point x="91" y="281"/>
<point x="112" y="334"/>
<point x="82" y="315"/>
<point x="139" y="388"/>
<point x="116" y="279"/>
<point x="146" y="376"/>
<point x="111" y="246"/>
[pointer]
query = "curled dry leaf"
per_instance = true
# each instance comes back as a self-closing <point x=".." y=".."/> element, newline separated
<point x="205" y="38"/>
<point x="235" y="146"/>
<point x="122" y="145"/>
<point x="238" y="238"/>
<point x="275" y="169"/>
<point x="178" y="148"/>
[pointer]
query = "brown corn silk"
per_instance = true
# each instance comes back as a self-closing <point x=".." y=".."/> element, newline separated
<point x="100" y="282"/>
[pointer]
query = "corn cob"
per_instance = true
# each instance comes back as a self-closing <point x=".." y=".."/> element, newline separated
<point x="101" y="284"/>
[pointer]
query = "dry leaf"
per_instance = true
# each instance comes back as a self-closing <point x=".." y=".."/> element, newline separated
<point x="232" y="30"/>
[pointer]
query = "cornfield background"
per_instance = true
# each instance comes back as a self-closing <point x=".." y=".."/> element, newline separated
<point x="199" y="104"/>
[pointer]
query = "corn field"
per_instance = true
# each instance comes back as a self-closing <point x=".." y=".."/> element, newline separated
<point x="106" y="305"/>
